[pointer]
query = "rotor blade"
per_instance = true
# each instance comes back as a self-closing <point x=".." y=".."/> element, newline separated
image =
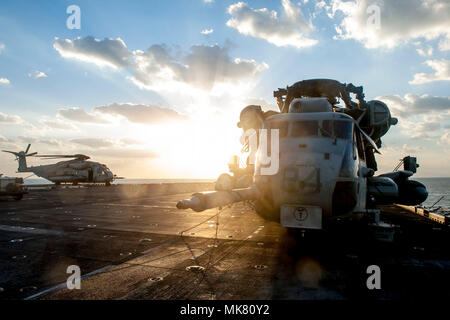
<point x="14" y="153"/>
<point x="31" y="154"/>
<point x="28" y="148"/>
<point x="368" y="138"/>
<point x="56" y="156"/>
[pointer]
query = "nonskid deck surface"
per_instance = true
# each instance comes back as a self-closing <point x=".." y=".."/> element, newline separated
<point x="126" y="241"/>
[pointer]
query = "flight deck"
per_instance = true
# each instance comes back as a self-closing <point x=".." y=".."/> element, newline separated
<point x="131" y="242"/>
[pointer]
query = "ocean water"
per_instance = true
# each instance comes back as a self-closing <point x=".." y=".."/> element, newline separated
<point x="131" y="181"/>
<point x="153" y="181"/>
<point x="437" y="187"/>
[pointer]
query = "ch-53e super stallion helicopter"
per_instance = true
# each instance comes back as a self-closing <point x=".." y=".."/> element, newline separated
<point x="326" y="162"/>
<point x="72" y="171"/>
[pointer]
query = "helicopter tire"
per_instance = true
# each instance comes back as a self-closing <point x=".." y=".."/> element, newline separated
<point x="18" y="197"/>
<point x="266" y="211"/>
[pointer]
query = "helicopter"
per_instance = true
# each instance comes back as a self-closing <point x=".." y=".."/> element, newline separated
<point x="325" y="164"/>
<point x="74" y="171"/>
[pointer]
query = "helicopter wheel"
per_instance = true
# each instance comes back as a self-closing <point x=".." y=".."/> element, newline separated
<point x="18" y="197"/>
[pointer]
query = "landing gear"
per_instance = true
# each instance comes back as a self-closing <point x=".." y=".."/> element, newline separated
<point x="107" y="183"/>
<point x="18" y="197"/>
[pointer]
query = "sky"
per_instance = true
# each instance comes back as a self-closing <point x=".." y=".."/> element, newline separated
<point x="154" y="89"/>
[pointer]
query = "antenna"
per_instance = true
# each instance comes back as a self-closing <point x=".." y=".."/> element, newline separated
<point x="398" y="165"/>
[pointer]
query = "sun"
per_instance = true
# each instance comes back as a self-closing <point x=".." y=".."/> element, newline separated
<point x="198" y="148"/>
<point x="201" y="148"/>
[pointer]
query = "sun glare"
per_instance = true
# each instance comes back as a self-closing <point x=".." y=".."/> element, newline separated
<point x="197" y="148"/>
<point x="201" y="150"/>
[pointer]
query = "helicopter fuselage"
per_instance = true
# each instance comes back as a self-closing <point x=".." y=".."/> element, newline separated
<point x="73" y="171"/>
<point x="320" y="158"/>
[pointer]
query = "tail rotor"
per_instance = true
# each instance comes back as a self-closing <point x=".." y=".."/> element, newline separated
<point x="22" y="153"/>
<point x="21" y="157"/>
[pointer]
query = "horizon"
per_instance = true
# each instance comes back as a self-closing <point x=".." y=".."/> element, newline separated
<point x="206" y="179"/>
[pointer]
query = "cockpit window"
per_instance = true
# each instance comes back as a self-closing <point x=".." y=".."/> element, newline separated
<point x="281" y="125"/>
<point x="304" y="128"/>
<point x="341" y="129"/>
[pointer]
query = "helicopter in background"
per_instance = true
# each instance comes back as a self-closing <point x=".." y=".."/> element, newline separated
<point x="74" y="171"/>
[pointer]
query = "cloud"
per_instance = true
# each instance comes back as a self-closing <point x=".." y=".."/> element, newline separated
<point x="9" y="119"/>
<point x="2" y="47"/>
<point x="445" y="139"/>
<point x="27" y="139"/>
<point x="107" y="52"/>
<point x="79" y="115"/>
<point x="444" y="44"/>
<point x="442" y="72"/>
<point x="423" y="130"/>
<point x="428" y="126"/>
<point x="113" y="148"/>
<point x="412" y="104"/>
<point x="265" y="105"/>
<point x="37" y="74"/>
<point x="51" y="142"/>
<point x="127" y="153"/>
<point x="288" y="30"/>
<point x="400" y="20"/>
<point x="407" y="149"/>
<point x="34" y="140"/>
<point x="130" y="141"/>
<point x="139" y="113"/>
<point x="207" y="31"/>
<point x="4" y="81"/>
<point x="57" y="124"/>
<point x="203" y="67"/>
<point x="421" y="117"/>
<point x="425" y="52"/>
<point x="93" y="142"/>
